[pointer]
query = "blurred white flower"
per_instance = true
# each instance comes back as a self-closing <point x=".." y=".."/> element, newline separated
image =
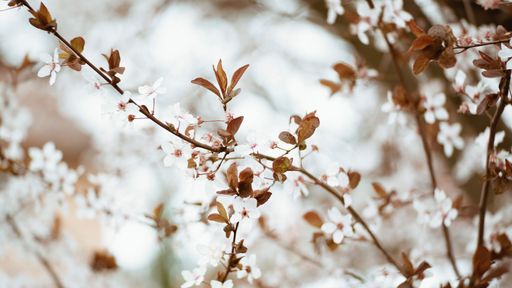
<point x="448" y="213"/>
<point x="181" y="118"/>
<point x="46" y="158"/>
<point x="193" y="278"/>
<point x="210" y="254"/>
<point x="334" y="9"/>
<point x="396" y="115"/>
<point x="151" y="91"/>
<point x="51" y="67"/>
<point x="339" y="225"/>
<point x="434" y="105"/>
<point x="218" y="284"/>
<point x="336" y="177"/>
<point x="296" y="184"/>
<point x="437" y="212"/>
<point x="505" y="54"/>
<point x="449" y="137"/>
<point x="245" y="208"/>
<point x="249" y="269"/>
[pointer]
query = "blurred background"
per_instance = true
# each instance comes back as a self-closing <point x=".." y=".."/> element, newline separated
<point x="290" y="47"/>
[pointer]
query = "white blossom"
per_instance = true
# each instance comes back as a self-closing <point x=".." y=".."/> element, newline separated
<point x="396" y="115"/>
<point x="334" y="8"/>
<point x="249" y="269"/>
<point x="218" y="284"/>
<point x="177" y="154"/>
<point x="194" y="277"/>
<point x="151" y="91"/>
<point x="51" y="67"/>
<point x="245" y="208"/>
<point x="449" y="137"/>
<point x="339" y="226"/>
<point x="434" y="106"/>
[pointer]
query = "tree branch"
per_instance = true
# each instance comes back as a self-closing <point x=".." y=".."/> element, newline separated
<point x="504" y="89"/>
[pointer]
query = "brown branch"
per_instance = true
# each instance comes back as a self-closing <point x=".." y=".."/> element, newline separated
<point x="232" y="256"/>
<point x="504" y="89"/>
<point x="45" y="262"/>
<point x="466" y="47"/>
<point x="351" y="210"/>
<point x="426" y="149"/>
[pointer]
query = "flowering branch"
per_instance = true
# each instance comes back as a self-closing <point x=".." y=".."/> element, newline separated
<point x="142" y="108"/>
<point x="425" y="145"/>
<point x="351" y="210"/>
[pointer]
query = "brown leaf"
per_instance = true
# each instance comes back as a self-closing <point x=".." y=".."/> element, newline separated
<point x="333" y="86"/>
<point x="245" y="184"/>
<point x="281" y="165"/>
<point x="206" y="84"/>
<point x="234" y="125"/>
<point x="421" y="42"/>
<point x="222" y="78"/>
<point x="307" y="127"/>
<point x="78" y="43"/>
<point x="415" y="29"/>
<point x="235" y="78"/>
<point x="216" y="218"/>
<point x="221" y="210"/>
<point x="420" y="64"/>
<point x="407" y="265"/>
<point x="262" y="196"/>
<point x="287" y="137"/>
<point x="43" y="19"/>
<point x="354" y="178"/>
<point x="103" y="261"/>
<point x="313" y="219"/>
<point x="447" y="58"/>
<point x="158" y="211"/>
<point x="481" y="261"/>
<point x="379" y="189"/>
<point x="345" y="71"/>
<point x="232" y="176"/>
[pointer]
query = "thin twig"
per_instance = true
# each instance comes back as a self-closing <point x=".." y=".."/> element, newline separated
<point x="45" y="262"/>
<point x="232" y="256"/>
<point x="466" y="47"/>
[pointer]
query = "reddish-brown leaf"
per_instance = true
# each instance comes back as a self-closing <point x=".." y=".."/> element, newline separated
<point x="333" y="86"/>
<point x="345" y="71"/>
<point x="313" y="219"/>
<point x="216" y="218"/>
<point x="222" y="78"/>
<point x="281" y="165"/>
<point x="235" y="78"/>
<point x="420" y="64"/>
<point x="421" y="42"/>
<point x="307" y="127"/>
<point x="415" y="29"/>
<point x="287" y="137"/>
<point x="354" y="178"/>
<point x="232" y="176"/>
<point x="234" y="125"/>
<point x="206" y="84"/>
<point x="379" y="189"/>
<point x="481" y="261"/>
